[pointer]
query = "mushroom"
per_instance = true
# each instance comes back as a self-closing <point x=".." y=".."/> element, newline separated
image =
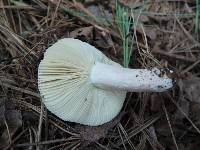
<point x="78" y="83"/>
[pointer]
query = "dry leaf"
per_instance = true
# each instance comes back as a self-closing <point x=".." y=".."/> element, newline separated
<point x="91" y="134"/>
<point x="191" y="88"/>
<point x="86" y="32"/>
<point x="156" y="103"/>
<point x="11" y="123"/>
<point x="195" y="111"/>
<point x="150" y="32"/>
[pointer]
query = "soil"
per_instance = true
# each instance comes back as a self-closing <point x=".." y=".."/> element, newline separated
<point x="163" y="34"/>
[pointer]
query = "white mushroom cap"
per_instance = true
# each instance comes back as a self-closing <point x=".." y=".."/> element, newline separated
<point x="65" y="86"/>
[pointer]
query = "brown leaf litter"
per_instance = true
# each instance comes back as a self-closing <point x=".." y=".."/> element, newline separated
<point x="162" y="34"/>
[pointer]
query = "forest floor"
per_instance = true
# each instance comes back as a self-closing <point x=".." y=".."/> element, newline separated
<point x="134" y="33"/>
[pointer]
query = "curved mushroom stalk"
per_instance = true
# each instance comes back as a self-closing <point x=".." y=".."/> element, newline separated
<point x="132" y="80"/>
<point x="78" y="83"/>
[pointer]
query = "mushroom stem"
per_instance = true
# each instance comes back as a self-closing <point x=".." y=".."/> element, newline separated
<point x="132" y="80"/>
